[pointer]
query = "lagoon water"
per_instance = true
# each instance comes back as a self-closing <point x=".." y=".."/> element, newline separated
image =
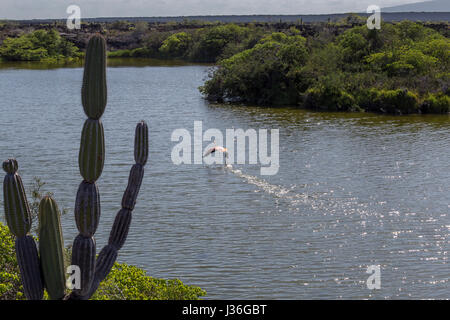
<point x="353" y="190"/>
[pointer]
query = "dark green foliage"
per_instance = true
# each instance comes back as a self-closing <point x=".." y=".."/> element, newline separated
<point x="40" y="45"/>
<point x="400" y="69"/>
<point x="176" y="45"/>
<point x="124" y="282"/>
<point x="436" y="104"/>
<point x="205" y="44"/>
<point x="330" y="98"/>
<point x="212" y="42"/>
<point x="10" y="284"/>
<point x="399" y="101"/>
<point x="265" y="74"/>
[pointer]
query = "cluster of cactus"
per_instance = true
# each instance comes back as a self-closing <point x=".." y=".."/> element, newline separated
<point x="44" y="268"/>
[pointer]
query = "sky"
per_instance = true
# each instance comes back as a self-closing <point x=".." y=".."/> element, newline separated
<point x="42" y="9"/>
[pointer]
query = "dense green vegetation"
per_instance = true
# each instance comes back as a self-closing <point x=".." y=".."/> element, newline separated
<point x="337" y="66"/>
<point x="205" y="44"/>
<point x="40" y="45"/>
<point x="124" y="282"/>
<point x="402" y="68"/>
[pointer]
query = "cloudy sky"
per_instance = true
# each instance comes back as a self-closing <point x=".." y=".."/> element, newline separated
<point x="34" y="9"/>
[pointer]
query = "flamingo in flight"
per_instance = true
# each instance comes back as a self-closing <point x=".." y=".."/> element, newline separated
<point x="218" y="149"/>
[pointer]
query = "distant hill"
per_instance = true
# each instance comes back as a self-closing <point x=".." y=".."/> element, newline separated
<point x="426" y="6"/>
<point x="387" y="16"/>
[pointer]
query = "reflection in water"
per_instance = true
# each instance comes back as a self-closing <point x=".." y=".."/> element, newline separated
<point x="112" y="62"/>
<point x="352" y="189"/>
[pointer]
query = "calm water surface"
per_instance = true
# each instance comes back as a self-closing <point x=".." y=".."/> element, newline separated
<point x="353" y="190"/>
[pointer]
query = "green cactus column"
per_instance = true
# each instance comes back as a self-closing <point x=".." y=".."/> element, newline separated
<point x="18" y="219"/>
<point x="91" y="160"/>
<point x="51" y="248"/>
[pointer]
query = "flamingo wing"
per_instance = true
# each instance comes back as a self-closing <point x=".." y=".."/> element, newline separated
<point x="213" y="149"/>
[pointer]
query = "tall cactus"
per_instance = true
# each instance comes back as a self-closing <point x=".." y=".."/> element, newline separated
<point x="87" y="204"/>
<point x="51" y="248"/>
<point x="18" y="219"/>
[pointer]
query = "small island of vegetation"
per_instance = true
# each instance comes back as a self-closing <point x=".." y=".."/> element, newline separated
<point x="400" y="69"/>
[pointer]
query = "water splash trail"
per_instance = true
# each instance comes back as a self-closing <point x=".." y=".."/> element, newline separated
<point x="273" y="189"/>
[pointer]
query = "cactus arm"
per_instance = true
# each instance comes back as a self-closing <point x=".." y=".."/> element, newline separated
<point x="29" y="266"/>
<point x="18" y="219"/>
<point x="51" y="248"/>
<point x="141" y="143"/>
<point x="17" y="210"/>
<point x="119" y="231"/>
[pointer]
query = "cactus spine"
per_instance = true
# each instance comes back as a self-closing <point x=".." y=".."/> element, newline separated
<point x="87" y="204"/>
<point x="51" y="248"/>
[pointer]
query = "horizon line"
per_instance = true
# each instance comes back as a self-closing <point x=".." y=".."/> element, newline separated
<point x="224" y="15"/>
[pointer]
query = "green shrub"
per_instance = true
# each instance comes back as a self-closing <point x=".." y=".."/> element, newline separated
<point x="10" y="284"/>
<point x="176" y="45"/>
<point x="125" y="282"/>
<point x="436" y="104"/>
<point x="211" y="42"/>
<point x="400" y="101"/>
<point x="123" y="53"/>
<point x="39" y="45"/>
<point x="264" y="74"/>
<point x="329" y="98"/>
<point x="402" y="63"/>
<point x="140" y="53"/>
